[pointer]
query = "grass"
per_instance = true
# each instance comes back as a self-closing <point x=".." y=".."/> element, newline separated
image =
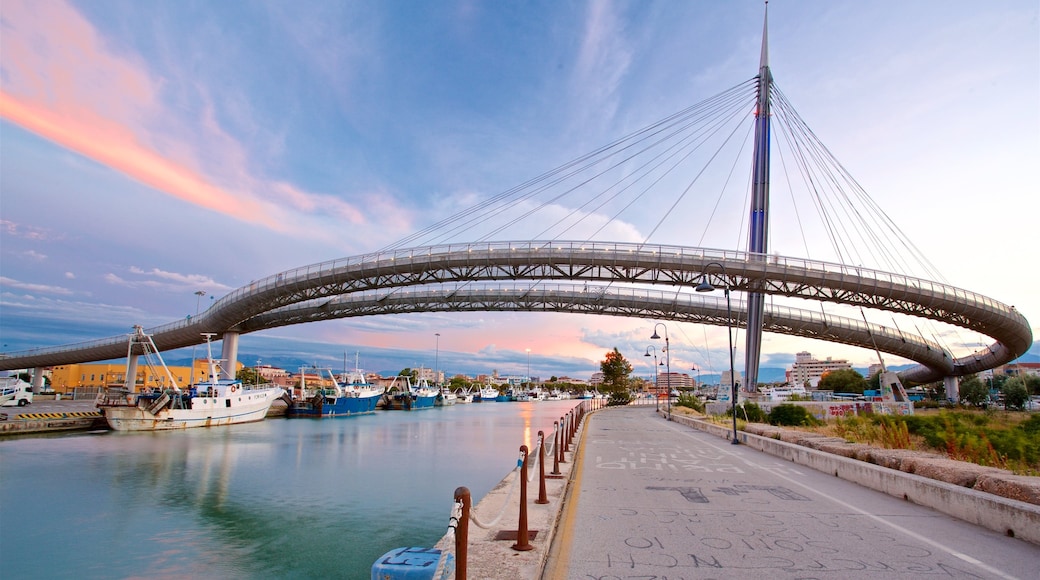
<point x="1008" y="440"/>
<point x="1005" y="439"/>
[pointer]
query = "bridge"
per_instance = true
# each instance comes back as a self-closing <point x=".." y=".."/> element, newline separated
<point x="628" y="279"/>
<point x="615" y="279"/>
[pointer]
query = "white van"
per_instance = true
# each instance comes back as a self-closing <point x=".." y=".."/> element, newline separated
<point x="15" y="391"/>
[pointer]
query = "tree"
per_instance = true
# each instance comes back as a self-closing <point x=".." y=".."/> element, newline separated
<point x="843" y="381"/>
<point x="1033" y="383"/>
<point x="247" y="375"/>
<point x="412" y="374"/>
<point x="974" y="392"/>
<point x="615" y="371"/>
<point x="1015" y="393"/>
<point x="874" y="382"/>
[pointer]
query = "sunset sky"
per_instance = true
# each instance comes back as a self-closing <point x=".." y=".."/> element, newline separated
<point x="152" y="149"/>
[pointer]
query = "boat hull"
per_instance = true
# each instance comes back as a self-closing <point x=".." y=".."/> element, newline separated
<point x="334" y="407"/>
<point x="403" y="402"/>
<point x="245" y="407"/>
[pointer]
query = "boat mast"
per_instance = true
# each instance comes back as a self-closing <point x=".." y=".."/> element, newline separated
<point x="758" y="228"/>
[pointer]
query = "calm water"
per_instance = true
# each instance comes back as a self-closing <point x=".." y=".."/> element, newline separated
<point x="287" y="498"/>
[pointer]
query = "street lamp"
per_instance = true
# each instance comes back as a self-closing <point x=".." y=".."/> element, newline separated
<point x="528" y="369"/>
<point x="437" y="359"/>
<point x="657" y="400"/>
<point x="668" y="364"/>
<point x="198" y="296"/>
<point x="706" y="286"/>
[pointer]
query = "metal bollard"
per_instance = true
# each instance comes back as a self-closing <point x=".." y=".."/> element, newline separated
<point x="543" y="498"/>
<point x="462" y="533"/>
<point x="563" y="440"/>
<point x="522" y="545"/>
<point x="567" y="434"/>
<point x="557" y="451"/>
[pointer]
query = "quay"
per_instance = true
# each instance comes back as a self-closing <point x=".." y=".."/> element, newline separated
<point x="642" y="496"/>
<point x="46" y="415"/>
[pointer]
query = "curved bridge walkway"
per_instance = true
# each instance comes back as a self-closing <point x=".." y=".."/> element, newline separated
<point x="634" y="280"/>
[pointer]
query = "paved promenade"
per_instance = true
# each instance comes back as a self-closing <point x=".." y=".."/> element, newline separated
<point x="653" y="499"/>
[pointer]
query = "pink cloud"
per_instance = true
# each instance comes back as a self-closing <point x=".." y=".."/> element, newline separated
<point x="62" y="82"/>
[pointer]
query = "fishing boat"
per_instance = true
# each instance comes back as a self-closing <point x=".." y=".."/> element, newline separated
<point x="446" y="397"/>
<point x="488" y="393"/>
<point x="349" y="394"/>
<point x="402" y="395"/>
<point x="464" y="395"/>
<point x="208" y="404"/>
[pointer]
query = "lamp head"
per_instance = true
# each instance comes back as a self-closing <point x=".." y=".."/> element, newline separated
<point x="655" y="336"/>
<point x="705" y="286"/>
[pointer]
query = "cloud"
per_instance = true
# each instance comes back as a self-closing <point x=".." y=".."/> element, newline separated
<point x="166" y="281"/>
<point x="27" y="232"/>
<point x="62" y="82"/>
<point x="41" y="288"/>
<point x="602" y="63"/>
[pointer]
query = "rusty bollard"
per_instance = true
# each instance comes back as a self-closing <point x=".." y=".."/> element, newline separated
<point x="522" y="545"/>
<point x="563" y="439"/>
<point x="543" y="498"/>
<point x="462" y="533"/>
<point x="556" y="449"/>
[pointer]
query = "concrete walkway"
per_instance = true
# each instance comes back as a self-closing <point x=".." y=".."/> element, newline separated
<point x="650" y="498"/>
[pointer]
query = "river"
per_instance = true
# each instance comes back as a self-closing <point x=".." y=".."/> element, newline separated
<point x="287" y="498"/>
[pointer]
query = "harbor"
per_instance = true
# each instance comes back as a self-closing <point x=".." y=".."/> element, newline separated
<point x="280" y="497"/>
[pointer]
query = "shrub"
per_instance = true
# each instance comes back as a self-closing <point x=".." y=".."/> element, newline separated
<point x="691" y="401"/>
<point x="792" y="415"/>
<point x="619" y="398"/>
<point x="750" y="412"/>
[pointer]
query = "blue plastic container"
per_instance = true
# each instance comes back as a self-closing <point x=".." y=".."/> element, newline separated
<point x="407" y="564"/>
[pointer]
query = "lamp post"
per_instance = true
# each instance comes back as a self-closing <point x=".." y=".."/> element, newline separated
<point x="528" y="369"/>
<point x="437" y="360"/>
<point x="668" y="364"/>
<point x="706" y="286"/>
<point x="657" y="400"/>
<point x="198" y="296"/>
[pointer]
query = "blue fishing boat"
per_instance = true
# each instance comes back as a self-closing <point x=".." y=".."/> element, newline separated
<point x="350" y="394"/>
<point x="402" y="395"/>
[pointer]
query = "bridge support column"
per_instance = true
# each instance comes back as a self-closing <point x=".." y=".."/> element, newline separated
<point x="953" y="388"/>
<point x="229" y="354"/>
<point x="37" y="379"/>
<point x="130" y="382"/>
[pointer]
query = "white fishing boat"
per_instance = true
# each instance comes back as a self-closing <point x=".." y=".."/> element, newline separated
<point x="446" y="397"/>
<point x="208" y="404"/>
<point x="488" y="393"/>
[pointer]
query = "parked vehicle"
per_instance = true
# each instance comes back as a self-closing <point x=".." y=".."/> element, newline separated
<point x="15" y="391"/>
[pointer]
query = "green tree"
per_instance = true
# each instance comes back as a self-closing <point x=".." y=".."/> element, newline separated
<point x="974" y="392"/>
<point x="1033" y="383"/>
<point x="412" y="374"/>
<point x="247" y="375"/>
<point x="843" y="381"/>
<point x="1015" y="393"/>
<point x="615" y="371"/>
<point x="874" y="382"/>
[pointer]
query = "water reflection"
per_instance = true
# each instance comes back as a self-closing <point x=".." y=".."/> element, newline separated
<point x="288" y="498"/>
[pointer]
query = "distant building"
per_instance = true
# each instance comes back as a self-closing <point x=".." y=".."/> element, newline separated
<point x="596" y="379"/>
<point x="874" y="369"/>
<point x="1019" y="369"/>
<point x="676" y="380"/>
<point x="807" y="369"/>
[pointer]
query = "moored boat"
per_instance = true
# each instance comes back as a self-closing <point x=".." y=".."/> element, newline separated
<point x="488" y="393"/>
<point x="348" y="395"/>
<point x="207" y="404"/>
<point x="446" y="397"/>
<point x="402" y="395"/>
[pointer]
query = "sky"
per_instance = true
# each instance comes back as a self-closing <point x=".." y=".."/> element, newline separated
<point x="151" y="150"/>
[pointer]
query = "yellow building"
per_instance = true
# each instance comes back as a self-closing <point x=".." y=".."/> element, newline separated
<point x="66" y="378"/>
